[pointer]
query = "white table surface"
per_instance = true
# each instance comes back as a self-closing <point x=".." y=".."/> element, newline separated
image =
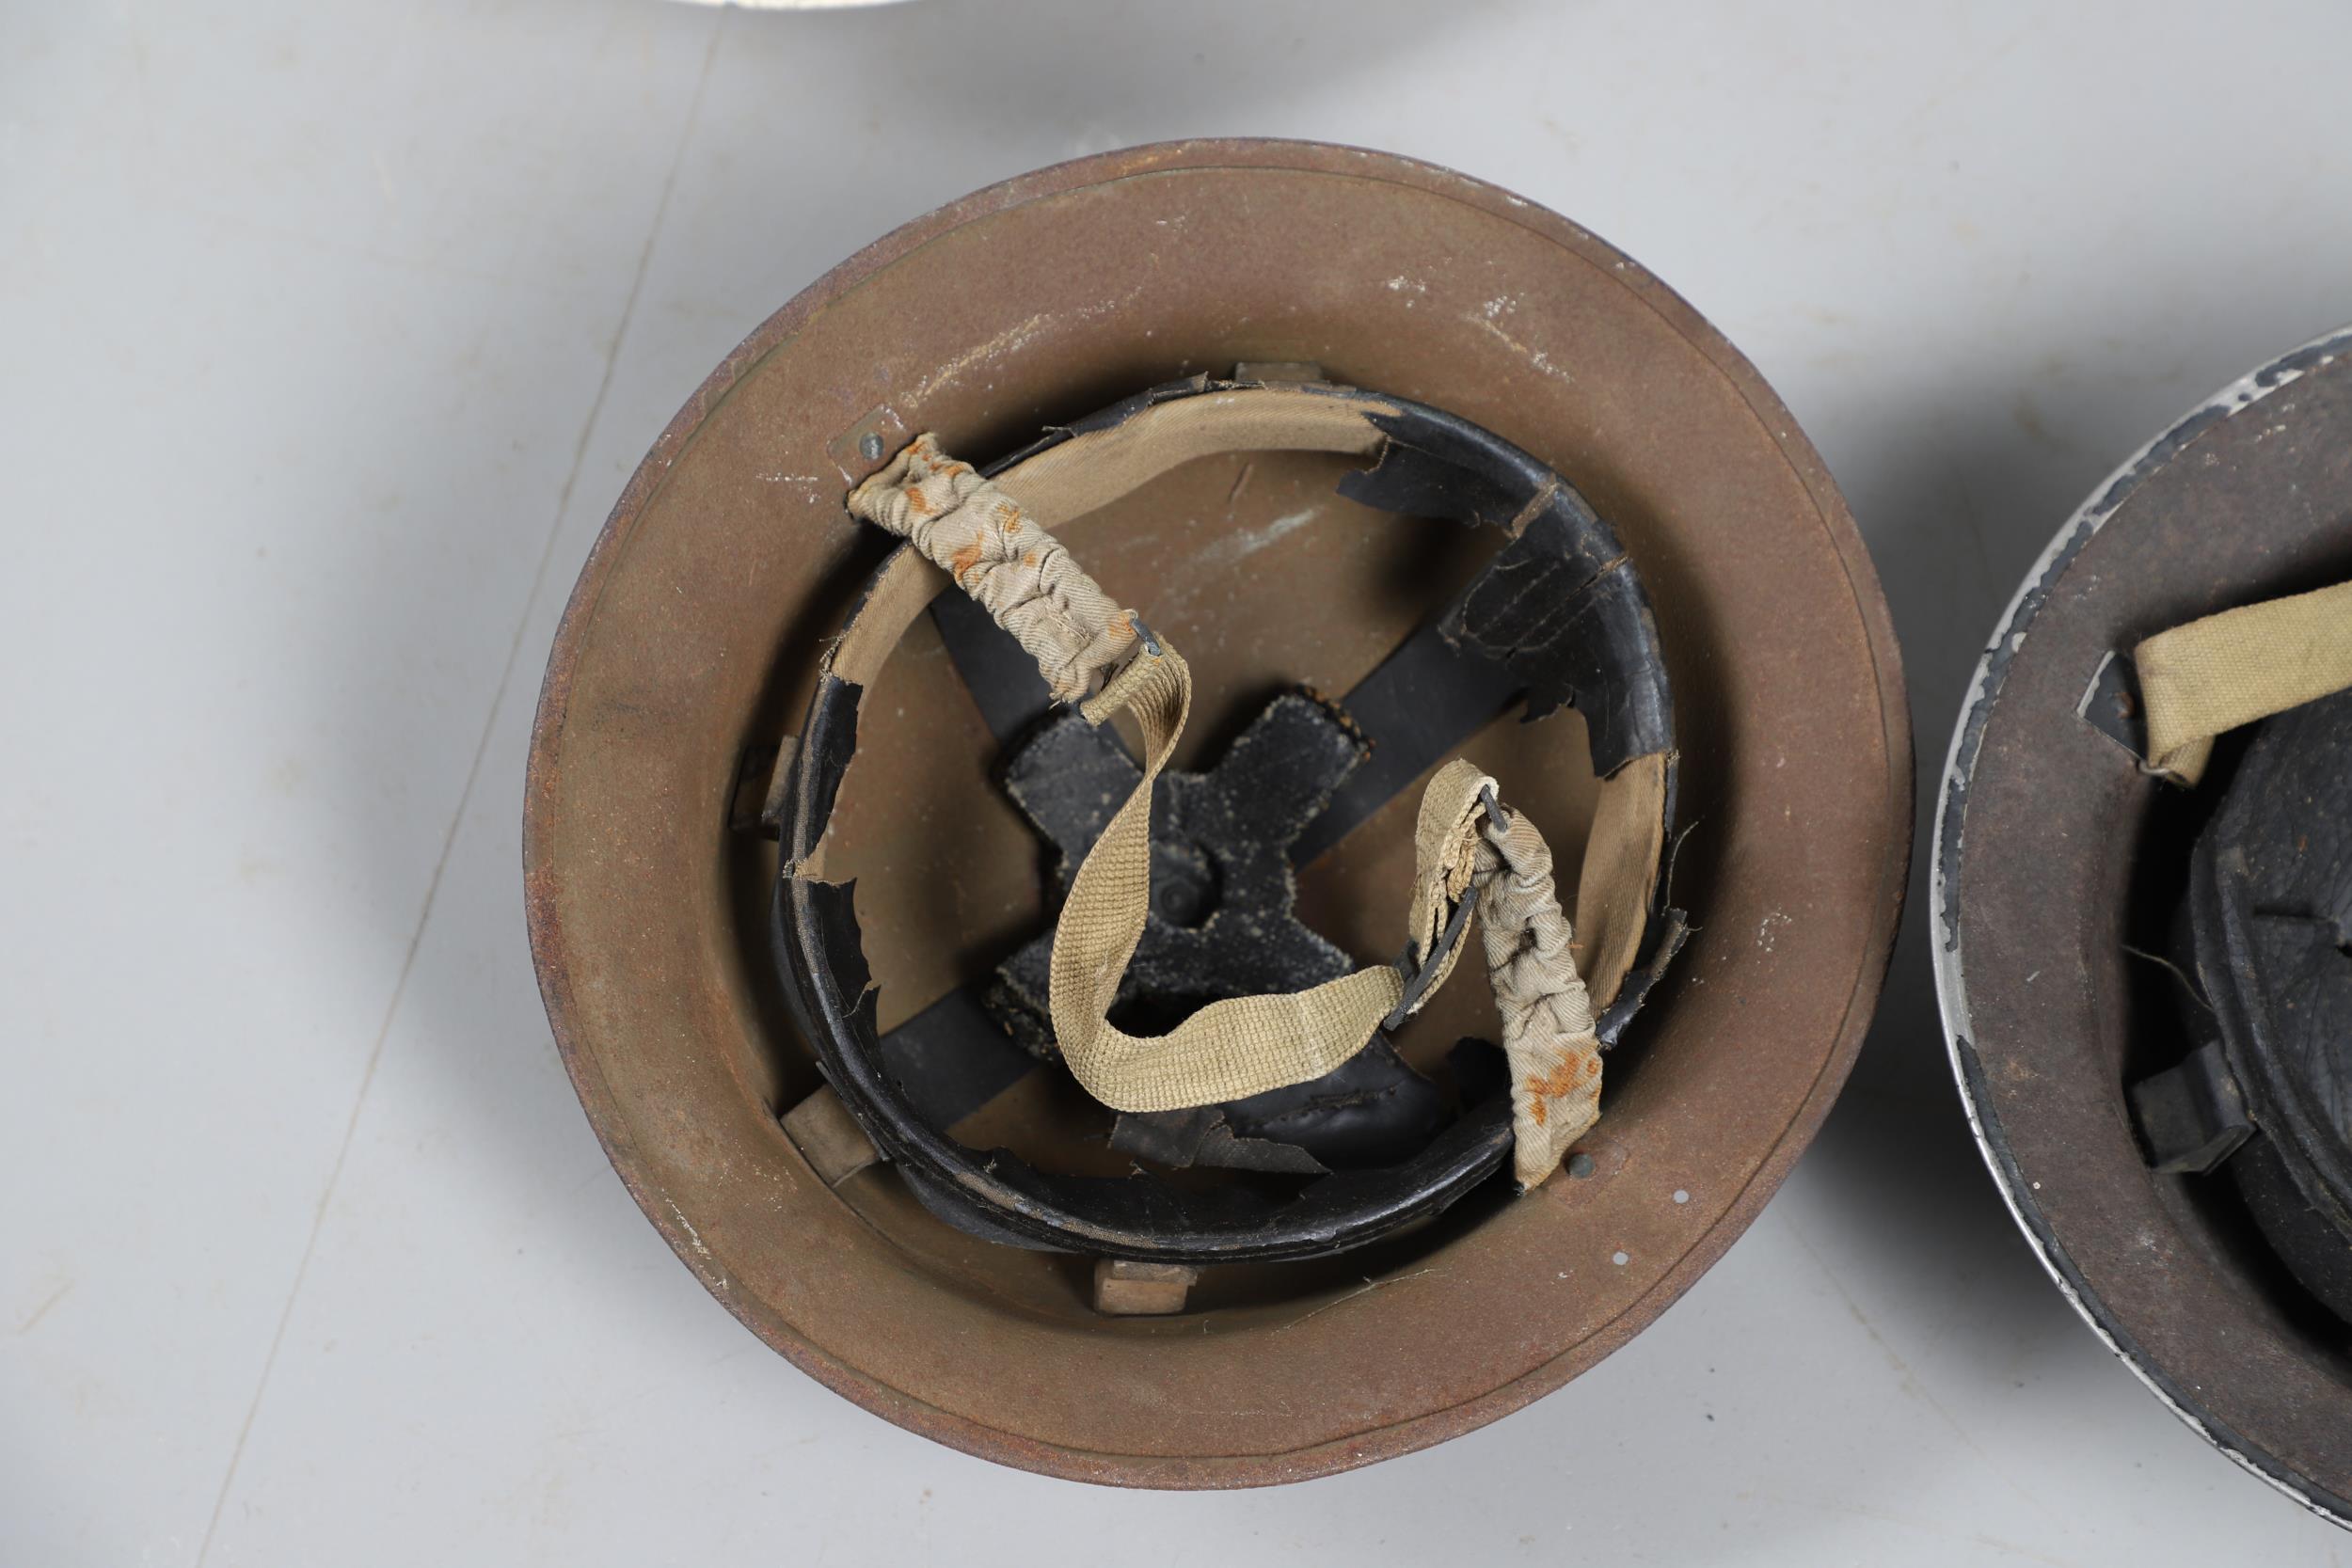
<point x="328" y="336"/>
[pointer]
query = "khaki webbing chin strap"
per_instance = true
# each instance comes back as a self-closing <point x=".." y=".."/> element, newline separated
<point x="1240" y="1046"/>
<point x="1472" y="852"/>
<point x="2210" y="677"/>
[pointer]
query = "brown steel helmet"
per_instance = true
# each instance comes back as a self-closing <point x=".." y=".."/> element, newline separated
<point x="801" y="815"/>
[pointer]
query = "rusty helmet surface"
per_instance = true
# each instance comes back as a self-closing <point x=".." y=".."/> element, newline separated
<point x="682" y="679"/>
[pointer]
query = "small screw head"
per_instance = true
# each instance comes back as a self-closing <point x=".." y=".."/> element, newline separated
<point x="869" y="447"/>
<point x="1579" y="1164"/>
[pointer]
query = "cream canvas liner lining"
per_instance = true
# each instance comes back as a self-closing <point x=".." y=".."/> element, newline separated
<point x="2209" y="676"/>
<point x="995" y="540"/>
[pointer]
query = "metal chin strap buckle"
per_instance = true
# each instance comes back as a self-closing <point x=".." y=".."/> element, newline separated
<point x="1146" y="645"/>
<point x="1420" y="970"/>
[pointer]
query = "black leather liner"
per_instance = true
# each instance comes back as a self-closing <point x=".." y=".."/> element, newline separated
<point x="1560" y="607"/>
<point x="1559" y="612"/>
<point x="998" y="1194"/>
<point x="1419" y="706"/>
